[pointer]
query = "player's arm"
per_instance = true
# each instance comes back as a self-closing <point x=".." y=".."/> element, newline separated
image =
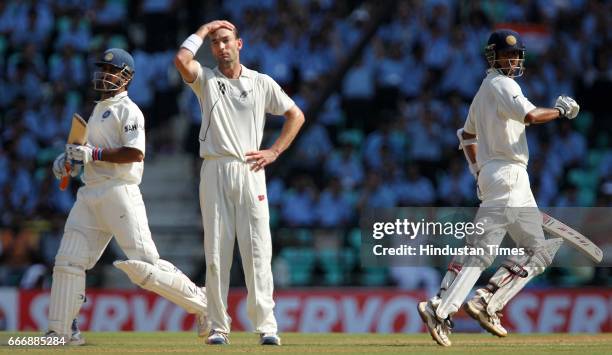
<point x="469" y="144"/>
<point x="184" y="58"/>
<point x="87" y="153"/>
<point x="294" y="119"/>
<point x="565" y="106"/>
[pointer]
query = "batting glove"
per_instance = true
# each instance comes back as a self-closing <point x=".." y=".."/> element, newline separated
<point x="567" y="107"/>
<point x="83" y="154"/>
<point x="59" y="167"/>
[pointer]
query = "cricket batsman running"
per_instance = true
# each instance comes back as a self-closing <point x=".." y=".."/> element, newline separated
<point x="234" y="101"/>
<point x="494" y="142"/>
<point x="110" y="204"/>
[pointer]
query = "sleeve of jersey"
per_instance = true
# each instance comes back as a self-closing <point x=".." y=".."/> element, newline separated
<point x="470" y="125"/>
<point x="196" y="85"/>
<point x="513" y="104"/>
<point x="133" y="132"/>
<point x="277" y="101"/>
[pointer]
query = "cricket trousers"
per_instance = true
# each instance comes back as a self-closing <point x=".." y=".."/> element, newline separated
<point x="508" y="206"/>
<point x="234" y="205"/>
<point x="507" y="201"/>
<point x="100" y="212"/>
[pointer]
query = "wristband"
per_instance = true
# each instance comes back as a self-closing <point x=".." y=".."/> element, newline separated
<point x="192" y="43"/>
<point x="96" y="154"/>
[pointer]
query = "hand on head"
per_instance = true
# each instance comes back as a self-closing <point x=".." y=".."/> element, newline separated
<point x="215" y="25"/>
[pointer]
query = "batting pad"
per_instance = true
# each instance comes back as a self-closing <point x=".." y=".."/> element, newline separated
<point x="67" y="296"/>
<point x="535" y="265"/>
<point x="167" y="281"/>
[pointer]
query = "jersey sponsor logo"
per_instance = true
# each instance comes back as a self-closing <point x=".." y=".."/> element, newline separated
<point x="106" y="114"/>
<point x="261" y="197"/>
<point x="132" y="127"/>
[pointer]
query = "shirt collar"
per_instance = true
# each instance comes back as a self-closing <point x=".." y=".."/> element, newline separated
<point x="115" y="98"/>
<point x="244" y="72"/>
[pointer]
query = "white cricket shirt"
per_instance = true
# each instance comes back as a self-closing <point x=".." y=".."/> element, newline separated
<point x="114" y="123"/>
<point x="496" y="117"/>
<point x="234" y="110"/>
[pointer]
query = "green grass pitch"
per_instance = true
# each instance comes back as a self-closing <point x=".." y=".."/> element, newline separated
<point x="296" y="343"/>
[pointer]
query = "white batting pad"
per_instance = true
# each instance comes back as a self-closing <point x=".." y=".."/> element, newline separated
<point x="167" y="281"/>
<point x="534" y="267"/>
<point x="67" y="296"/>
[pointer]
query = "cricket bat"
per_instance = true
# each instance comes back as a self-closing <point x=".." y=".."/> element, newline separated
<point x="577" y="240"/>
<point x="77" y="135"/>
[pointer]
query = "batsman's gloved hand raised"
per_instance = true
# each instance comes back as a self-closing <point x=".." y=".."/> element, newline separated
<point x="83" y="154"/>
<point x="567" y="106"/>
<point x="59" y="167"/>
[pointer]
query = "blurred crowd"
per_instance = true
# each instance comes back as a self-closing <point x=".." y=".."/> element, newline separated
<point x="385" y="137"/>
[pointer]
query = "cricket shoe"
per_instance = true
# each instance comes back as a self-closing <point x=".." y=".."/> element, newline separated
<point x="438" y="329"/>
<point x="217" y="338"/>
<point x="477" y="309"/>
<point x="75" y="339"/>
<point x="269" y="339"/>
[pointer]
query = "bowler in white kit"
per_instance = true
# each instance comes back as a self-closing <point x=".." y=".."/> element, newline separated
<point x="234" y="101"/>
<point x="495" y="145"/>
<point x="110" y="204"/>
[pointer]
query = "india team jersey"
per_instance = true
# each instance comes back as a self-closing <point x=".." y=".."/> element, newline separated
<point x="233" y="110"/>
<point x="115" y="122"/>
<point x="496" y="117"/>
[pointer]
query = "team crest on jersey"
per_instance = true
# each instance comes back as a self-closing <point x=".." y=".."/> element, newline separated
<point x="106" y="114"/>
<point x="245" y="94"/>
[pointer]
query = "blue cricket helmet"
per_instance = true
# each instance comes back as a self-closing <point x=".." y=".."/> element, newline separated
<point x="108" y="81"/>
<point x="118" y="58"/>
<point x="505" y="40"/>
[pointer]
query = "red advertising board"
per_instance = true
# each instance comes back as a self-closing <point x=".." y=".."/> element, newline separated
<point x="320" y="310"/>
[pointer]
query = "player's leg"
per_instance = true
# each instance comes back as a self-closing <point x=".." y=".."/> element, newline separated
<point x="515" y="272"/>
<point x="462" y="274"/>
<point x="219" y="220"/>
<point x="81" y="247"/>
<point x="255" y="243"/>
<point x="124" y="212"/>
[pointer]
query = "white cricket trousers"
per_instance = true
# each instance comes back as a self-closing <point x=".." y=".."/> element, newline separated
<point x="100" y="212"/>
<point x="509" y="207"/>
<point x="234" y="204"/>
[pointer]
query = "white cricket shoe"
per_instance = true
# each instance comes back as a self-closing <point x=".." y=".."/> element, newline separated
<point x="76" y="338"/>
<point x="438" y="329"/>
<point x="269" y="339"/>
<point x="216" y="337"/>
<point x="477" y="309"/>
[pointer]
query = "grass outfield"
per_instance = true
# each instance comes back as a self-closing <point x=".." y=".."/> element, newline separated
<point x="295" y="343"/>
